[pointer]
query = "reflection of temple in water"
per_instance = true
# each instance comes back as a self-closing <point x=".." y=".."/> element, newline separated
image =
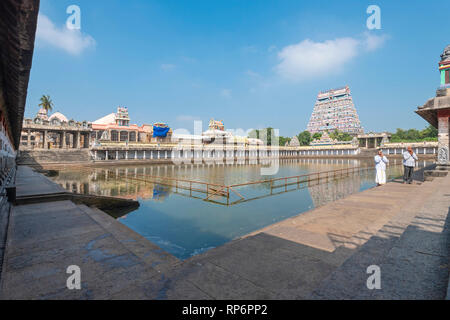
<point x="111" y="183"/>
<point x="324" y="192"/>
<point x="131" y="182"/>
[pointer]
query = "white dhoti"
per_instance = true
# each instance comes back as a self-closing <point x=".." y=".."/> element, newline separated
<point x="380" y="176"/>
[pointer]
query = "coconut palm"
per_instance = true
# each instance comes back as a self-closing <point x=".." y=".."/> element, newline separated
<point x="46" y="103"/>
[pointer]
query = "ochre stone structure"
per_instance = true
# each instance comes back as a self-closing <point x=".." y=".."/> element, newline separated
<point x="54" y="132"/>
<point x="373" y="140"/>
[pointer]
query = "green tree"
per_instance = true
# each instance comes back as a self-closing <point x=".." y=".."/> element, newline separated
<point x="283" y="140"/>
<point x="254" y="134"/>
<point x="304" y="138"/>
<point x="266" y="135"/>
<point x="46" y="103"/>
<point x="317" y="136"/>
<point x="428" y="134"/>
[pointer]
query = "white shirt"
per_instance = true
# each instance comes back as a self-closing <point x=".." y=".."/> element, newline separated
<point x="409" y="160"/>
<point x="380" y="163"/>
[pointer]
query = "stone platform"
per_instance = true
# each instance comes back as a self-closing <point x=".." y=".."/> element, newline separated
<point x="320" y="254"/>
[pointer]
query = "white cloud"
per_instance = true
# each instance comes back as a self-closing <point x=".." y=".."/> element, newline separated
<point x="373" y="42"/>
<point x="71" y="41"/>
<point x="309" y="59"/>
<point x="226" y="93"/>
<point x="168" y="66"/>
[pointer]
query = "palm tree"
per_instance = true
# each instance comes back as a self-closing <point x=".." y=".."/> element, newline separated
<point x="46" y="103"/>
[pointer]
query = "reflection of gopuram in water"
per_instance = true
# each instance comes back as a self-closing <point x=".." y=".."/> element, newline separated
<point x="134" y="182"/>
<point x="327" y="180"/>
<point x="324" y="192"/>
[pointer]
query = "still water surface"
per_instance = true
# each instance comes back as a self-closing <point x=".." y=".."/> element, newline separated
<point x="185" y="225"/>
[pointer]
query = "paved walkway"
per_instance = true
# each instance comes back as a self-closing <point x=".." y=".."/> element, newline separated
<point x="319" y="254"/>
<point x="31" y="183"/>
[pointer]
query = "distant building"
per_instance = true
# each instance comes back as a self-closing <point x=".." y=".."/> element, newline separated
<point x="334" y="110"/>
<point x="293" y="143"/>
<point x="54" y="132"/>
<point x="116" y="127"/>
<point x="373" y="139"/>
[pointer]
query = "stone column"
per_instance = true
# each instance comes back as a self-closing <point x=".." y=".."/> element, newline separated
<point x="443" y="139"/>
<point x="78" y="140"/>
<point x="44" y="139"/>
<point x="29" y="137"/>
<point x="63" y="141"/>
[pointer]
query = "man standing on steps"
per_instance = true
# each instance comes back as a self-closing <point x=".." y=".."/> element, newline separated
<point x="380" y="168"/>
<point x="409" y="162"/>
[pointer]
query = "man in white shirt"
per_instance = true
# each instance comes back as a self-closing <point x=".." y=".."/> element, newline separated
<point x="409" y="162"/>
<point x="380" y="168"/>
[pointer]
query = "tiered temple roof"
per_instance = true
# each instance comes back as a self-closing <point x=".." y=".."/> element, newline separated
<point x="334" y="110"/>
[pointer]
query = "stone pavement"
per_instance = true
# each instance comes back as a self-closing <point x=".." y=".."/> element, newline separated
<point x="320" y="254"/>
<point x="31" y="183"/>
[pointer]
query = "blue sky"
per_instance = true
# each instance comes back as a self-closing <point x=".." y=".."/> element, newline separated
<point x="251" y="63"/>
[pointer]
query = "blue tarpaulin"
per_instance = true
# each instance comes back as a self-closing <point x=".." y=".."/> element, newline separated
<point x="159" y="192"/>
<point x="160" y="132"/>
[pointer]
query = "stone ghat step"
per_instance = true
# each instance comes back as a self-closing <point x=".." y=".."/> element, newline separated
<point x="350" y="221"/>
<point x="44" y="239"/>
<point x="53" y="156"/>
<point x="411" y="251"/>
<point x="144" y="249"/>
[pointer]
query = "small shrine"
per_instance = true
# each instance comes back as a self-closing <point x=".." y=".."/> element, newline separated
<point x="437" y="111"/>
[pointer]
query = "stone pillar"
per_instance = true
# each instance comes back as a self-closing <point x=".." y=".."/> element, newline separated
<point x="29" y="137"/>
<point x="78" y="140"/>
<point x="44" y="139"/>
<point x="63" y="141"/>
<point x="443" y="139"/>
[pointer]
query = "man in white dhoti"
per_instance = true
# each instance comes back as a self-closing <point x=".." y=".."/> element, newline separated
<point x="380" y="168"/>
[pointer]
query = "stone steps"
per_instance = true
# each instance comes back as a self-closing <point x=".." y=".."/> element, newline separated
<point x="28" y="157"/>
<point x="392" y="248"/>
<point x="148" y="252"/>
